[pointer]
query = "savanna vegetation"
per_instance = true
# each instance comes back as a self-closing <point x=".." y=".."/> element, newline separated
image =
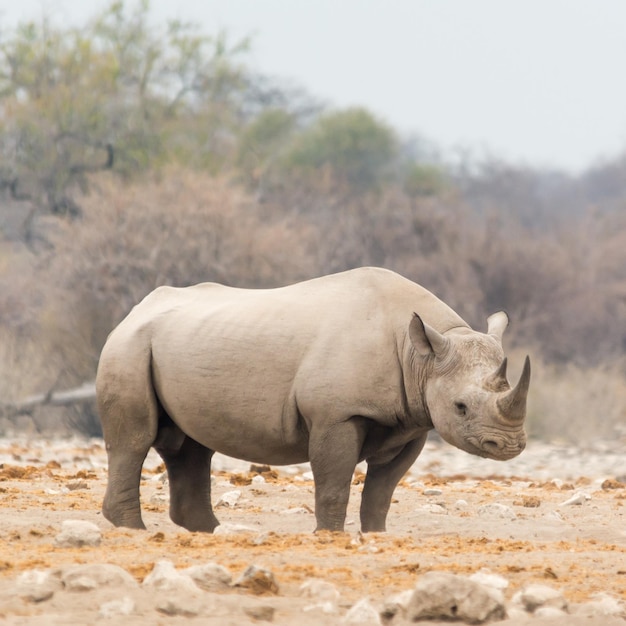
<point x="135" y="154"/>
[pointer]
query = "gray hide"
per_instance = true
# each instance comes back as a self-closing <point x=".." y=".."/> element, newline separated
<point x="349" y="367"/>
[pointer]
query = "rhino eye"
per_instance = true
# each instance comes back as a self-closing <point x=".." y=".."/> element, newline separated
<point x="461" y="408"/>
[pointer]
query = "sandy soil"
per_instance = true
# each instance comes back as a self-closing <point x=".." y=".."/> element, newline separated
<point x="442" y="519"/>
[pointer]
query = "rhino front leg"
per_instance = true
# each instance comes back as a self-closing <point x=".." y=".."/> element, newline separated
<point x="381" y="480"/>
<point x="334" y="453"/>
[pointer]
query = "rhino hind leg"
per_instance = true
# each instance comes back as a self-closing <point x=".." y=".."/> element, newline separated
<point x="121" y="501"/>
<point x="129" y="424"/>
<point x="380" y="482"/>
<point x="188" y="466"/>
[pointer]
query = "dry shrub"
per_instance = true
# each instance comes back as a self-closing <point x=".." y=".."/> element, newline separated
<point x="179" y="230"/>
<point x="570" y="403"/>
<point x="565" y="291"/>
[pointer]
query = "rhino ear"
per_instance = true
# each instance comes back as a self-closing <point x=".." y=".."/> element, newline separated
<point x="497" y="323"/>
<point x="426" y="340"/>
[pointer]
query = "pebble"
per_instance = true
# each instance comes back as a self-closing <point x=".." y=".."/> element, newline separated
<point x="174" y="606"/>
<point x="319" y="589"/>
<point x="233" y="529"/>
<point x="37" y="585"/>
<point x="362" y="613"/>
<point x="262" y="612"/>
<point x="433" y="492"/>
<point x="258" y="580"/>
<point x="486" y="577"/>
<point x="159" y="498"/>
<point x="604" y="604"/>
<point x="117" y="608"/>
<point x="298" y="510"/>
<point x="435" y="509"/>
<point x="577" y="499"/>
<point x="258" y="480"/>
<point x="209" y="577"/>
<point x="536" y="596"/>
<point x="78" y="533"/>
<point x="93" y="576"/>
<point x="443" y="596"/>
<point x="436" y="596"/>
<point x="496" y="510"/>
<point x="165" y="577"/>
<point x="229" y="498"/>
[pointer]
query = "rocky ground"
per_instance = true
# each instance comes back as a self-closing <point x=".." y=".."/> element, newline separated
<point x="540" y="539"/>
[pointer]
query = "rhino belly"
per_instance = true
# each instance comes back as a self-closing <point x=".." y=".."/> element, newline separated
<point x="253" y="422"/>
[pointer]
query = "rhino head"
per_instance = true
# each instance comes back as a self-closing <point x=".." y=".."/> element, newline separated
<point x="467" y="394"/>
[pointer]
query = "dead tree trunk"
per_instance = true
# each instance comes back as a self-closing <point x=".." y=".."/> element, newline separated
<point x="86" y="392"/>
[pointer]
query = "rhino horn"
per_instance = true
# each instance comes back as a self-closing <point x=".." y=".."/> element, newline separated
<point x="497" y="380"/>
<point x="512" y="405"/>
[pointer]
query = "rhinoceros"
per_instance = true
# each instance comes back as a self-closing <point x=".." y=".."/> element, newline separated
<point x="353" y="366"/>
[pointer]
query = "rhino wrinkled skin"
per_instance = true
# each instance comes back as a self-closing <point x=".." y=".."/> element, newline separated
<point x="353" y="366"/>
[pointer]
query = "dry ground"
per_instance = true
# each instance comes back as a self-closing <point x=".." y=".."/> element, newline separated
<point x="436" y="523"/>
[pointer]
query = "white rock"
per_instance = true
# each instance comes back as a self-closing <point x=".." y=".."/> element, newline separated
<point x="261" y="539"/>
<point x="362" y="613"/>
<point x="496" y="510"/>
<point x="165" y="577"/>
<point x="33" y="577"/>
<point x="328" y="608"/>
<point x="233" y="529"/>
<point x="298" y="510"/>
<point x="229" y="498"/>
<point x="397" y="604"/>
<point x="307" y="475"/>
<point x="258" y="480"/>
<point x="117" y="608"/>
<point x="319" y="589"/>
<point x="549" y="612"/>
<point x="486" y="577"/>
<point x="578" y="498"/>
<point x="535" y="596"/>
<point x="460" y="504"/>
<point x="443" y="596"/>
<point x="554" y="516"/>
<point x="159" y="498"/>
<point x="516" y="613"/>
<point x="433" y="492"/>
<point x="37" y="585"/>
<point x="89" y="577"/>
<point x="435" y="509"/>
<point x="258" y="580"/>
<point x="174" y="605"/>
<point x="604" y="604"/>
<point x="210" y="576"/>
<point x="78" y="533"/>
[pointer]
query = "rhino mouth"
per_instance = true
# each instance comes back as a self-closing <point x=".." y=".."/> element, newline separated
<point x="497" y="447"/>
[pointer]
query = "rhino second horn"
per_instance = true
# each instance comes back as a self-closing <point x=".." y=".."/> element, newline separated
<point x="513" y="404"/>
<point x="498" y="378"/>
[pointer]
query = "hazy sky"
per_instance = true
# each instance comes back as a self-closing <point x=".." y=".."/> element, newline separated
<point x="539" y="82"/>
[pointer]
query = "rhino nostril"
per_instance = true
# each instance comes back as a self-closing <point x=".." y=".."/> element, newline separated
<point x="492" y="445"/>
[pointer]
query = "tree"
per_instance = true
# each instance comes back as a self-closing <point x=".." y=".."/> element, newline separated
<point x="352" y="145"/>
<point x="118" y="94"/>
